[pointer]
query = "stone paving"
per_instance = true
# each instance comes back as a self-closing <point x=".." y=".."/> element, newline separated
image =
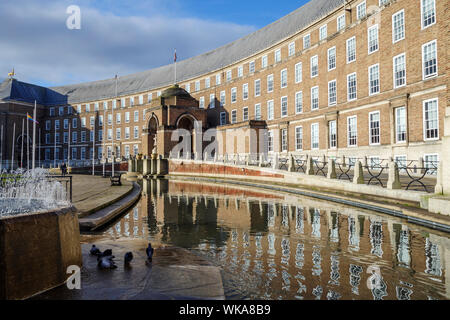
<point x="92" y="193"/>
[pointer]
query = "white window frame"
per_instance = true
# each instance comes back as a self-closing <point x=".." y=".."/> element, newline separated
<point x="291" y="49"/>
<point x="284" y="82"/>
<point x="358" y="15"/>
<point x="281" y="107"/>
<point x="393" y="26"/>
<point x="223" y="118"/>
<point x="397" y="125"/>
<point x="423" y="60"/>
<point x="349" y="137"/>
<point x="270" y="110"/>
<point x="375" y="27"/>
<point x="421" y="15"/>
<point x="330" y="134"/>
<point x="299" y="102"/>
<point x="323" y="32"/>
<point x="251" y="67"/>
<point x="394" y="70"/>
<point x="328" y="58"/>
<point x="338" y="27"/>
<point x="233" y="95"/>
<point x="316" y="58"/>
<point x="347" y="50"/>
<point x="377" y="65"/>
<point x="245" y="115"/>
<point x="270" y="76"/>
<point x="298" y="72"/>
<point x="299" y="138"/>
<point x="315" y="89"/>
<point x="258" y="93"/>
<point x="307" y="40"/>
<point x="437" y="120"/>
<point x="370" y="128"/>
<point x="313" y="137"/>
<point x="330" y="103"/>
<point x="264" y="61"/>
<point x="277" y="56"/>
<point x="348" y="87"/>
<point x="233" y="116"/>
<point x="258" y="115"/>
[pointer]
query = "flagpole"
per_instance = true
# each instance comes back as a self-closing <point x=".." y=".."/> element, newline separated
<point x="12" y="156"/>
<point x="93" y="150"/>
<point x="28" y="145"/>
<point x="33" y="161"/>
<point x="175" y="60"/>
<point x="113" y="133"/>
<point x="21" y="150"/>
<point x="68" y="147"/>
<point x="40" y="164"/>
<point x="1" y="150"/>
<point x="104" y="140"/>
<point x="54" y="152"/>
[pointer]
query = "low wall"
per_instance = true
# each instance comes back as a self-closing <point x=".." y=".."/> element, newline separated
<point x="35" y="251"/>
<point x="269" y="175"/>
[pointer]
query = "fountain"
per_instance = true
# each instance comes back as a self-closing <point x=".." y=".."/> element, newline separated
<point x="39" y="233"/>
<point x="30" y="192"/>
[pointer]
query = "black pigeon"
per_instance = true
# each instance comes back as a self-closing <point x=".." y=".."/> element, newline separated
<point x="106" y="262"/>
<point x="150" y="251"/>
<point x="95" y="251"/>
<point x="128" y="257"/>
<point x="107" y="253"/>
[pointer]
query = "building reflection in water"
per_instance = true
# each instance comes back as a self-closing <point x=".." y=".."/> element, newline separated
<point x="272" y="246"/>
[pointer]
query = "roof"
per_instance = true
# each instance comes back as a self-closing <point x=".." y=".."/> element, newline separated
<point x="12" y="89"/>
<point x="194" y="67"/>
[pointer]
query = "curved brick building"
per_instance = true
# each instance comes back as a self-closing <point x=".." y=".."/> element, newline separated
<point x="354" y="78"/>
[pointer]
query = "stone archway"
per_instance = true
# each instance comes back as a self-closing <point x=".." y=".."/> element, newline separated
<point x="148" y="141"/>
<point x="187" y="122"/>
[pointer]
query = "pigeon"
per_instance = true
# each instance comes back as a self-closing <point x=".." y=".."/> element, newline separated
<point x="128" y="257"/>
<point x="107" y="253"/>
<point x="95" y="251"/>
<point x="106" y="263"/>
<point x="150" y="251"/>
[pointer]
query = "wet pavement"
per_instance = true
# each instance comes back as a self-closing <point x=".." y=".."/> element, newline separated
<point x="174" y="274"/>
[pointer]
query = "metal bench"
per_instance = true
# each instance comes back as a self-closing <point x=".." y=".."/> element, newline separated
<point x="116" y="179"/>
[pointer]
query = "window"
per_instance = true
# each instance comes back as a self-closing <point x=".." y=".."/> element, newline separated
<point x="270" y="83"/>
<point x="141" y="99"/>
<point x="110" y="134"/>
<point x="431" y="119"/>
<point x="131" y="101"/>
<point x="229" y="75"/>
<point x="240" y="71"/>
<point x="91" y="136"/>
<point x="270" y="110"/>
<point x="57" y="140"/>
<point x="61" y="111"/>
<point x="299" y="102"/>
<point x="351" y="87"/>
<point x="127" y="152"/>
<point x="83" y="136"/>
<point x="136" y="116"/>
<point x="100" y="135"/>
<point x="223" y="118"/>
<point x="351" y="50"/>
<point x="222" y="98"/>
<point x="75" y="137"/>
<point x="212" y="100"/>
<point x="114" y="103"/>
<point x="314" y="136"/>
<point x="331" y="58"/>
<point x="431" y="162"/>
<point x="398" y="26"/>
<point x="65" y="137"/>
<point x="110" y="119"/>
<point x="118" y="133"/>
<point x="136" y="132"/>
<point x="291" y="49"/>
<point x="150" y="97"/>
<point x="127" y="117"/>
<point x="251" y="67"/>
<point x="83" y="122"/>
<point x="298" y="72"/>
<point x="383" y="2"/>
<point x="332" y="93"/>
<point x="245" y="91"/>
<point x="218" y="80"/>
<point x="69" y="110"/>
<point x="258" y="111"/>
<point x="48" y="124"/>
<point x="118" y="118"/>
<point x="207" y="83"/>
<point x="47" y="138"/>
<point x="100" y="121"/>
<point x="270" y="141"/>
<point x="52" y="112"/>
<point x="92" y="122"/>
<point x="374" y="79"/>
<point x="264" y="62"/>
<point x="127" y="133"/>
<point x="314" y="66"/>
<point x="361" y="10"/>
<point x="341" y="22"/>
<point x="429" y="60"/>
<point x="333" y="134"/>
<point x="306" y="41"/>
<point x="400" y="124"/>
<point x="428" y="9"/>
<point x="122" y="102"/>
<point x="245" y="114"/>
<point x="284" y="80"/>
<point x="323" y="32"/>
<point x="277" y="55"/>
<point x="352" y="130"/>
<point x="136" y="149"/>
<point x="234" y="116"/>
<point x="399" y="71"/>
<point x="197" y="85"/>
<point x="284" y="107"/>
<point x="74" y="153"/>
<point x="257" y="88"/>
<point x="284" y="140"/>
<point x="233" y="95"/>
<point x="47" y="154"/>
<point x="202" y="103"/>
<point x="373" y="39"/>
<point x="83" y="154"/>
<point x="299" y="138"/>
<point x="374" y="132"/>
<point x="314" y="98"/>
<point x="74" y="123"/>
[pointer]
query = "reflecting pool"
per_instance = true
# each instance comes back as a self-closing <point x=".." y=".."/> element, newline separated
<point x="277" y="246"/>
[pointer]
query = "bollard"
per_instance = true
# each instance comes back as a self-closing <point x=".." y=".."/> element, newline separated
<point x="421" y="165"/>
<point x="275" y="161"/>
<point x="343" y="164"/>
<point x="309" y="166"/>
<point x="394" y="177"/>
<point x="331" y="174"/>
<point x="359" y="174"/>
<point x="439" y="189"/>
<point x="291" y="163"/>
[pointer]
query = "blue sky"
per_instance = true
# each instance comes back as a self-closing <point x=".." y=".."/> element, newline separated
<point x="119" y="36"/>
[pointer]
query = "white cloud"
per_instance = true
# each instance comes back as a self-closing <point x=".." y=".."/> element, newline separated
<point x="36" y="42"/>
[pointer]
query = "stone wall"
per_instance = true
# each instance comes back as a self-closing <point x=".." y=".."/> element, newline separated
<point x="35" y="251"/>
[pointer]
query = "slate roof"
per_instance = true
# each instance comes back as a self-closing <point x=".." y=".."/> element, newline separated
<point x="190" y="68"/>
